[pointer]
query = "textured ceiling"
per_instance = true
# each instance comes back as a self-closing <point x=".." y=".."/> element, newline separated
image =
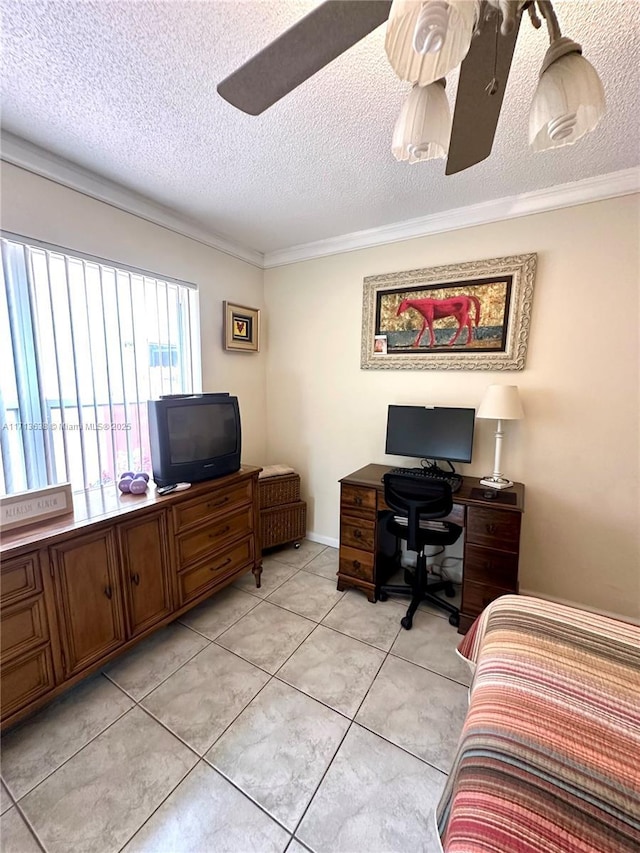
<point x="127" y="90"/>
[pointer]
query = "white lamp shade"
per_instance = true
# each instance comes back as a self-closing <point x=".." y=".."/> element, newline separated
<point x="501" y="403"/>
<point x="428" y="38"/>
<point x="568" y="103"/>
<point x="423" y="127"/>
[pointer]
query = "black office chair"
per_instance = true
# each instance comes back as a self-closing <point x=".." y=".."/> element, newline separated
<point x="420" y="502"/>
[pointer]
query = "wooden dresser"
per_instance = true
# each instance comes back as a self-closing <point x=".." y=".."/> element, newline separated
<point x="79" y="590"/>
<point x="491" y="539"/>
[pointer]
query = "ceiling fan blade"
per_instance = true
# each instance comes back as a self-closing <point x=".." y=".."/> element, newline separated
<point x="305" y="48"/>
<point x="476" y="113"/>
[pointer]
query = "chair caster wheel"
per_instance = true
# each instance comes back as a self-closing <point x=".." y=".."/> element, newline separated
<point x="454" y="619"/>
<point x="449" y="591"/>
<point x="296" y="545"/>
<point x="406" y="623"/>
<point x="382" y="596"/>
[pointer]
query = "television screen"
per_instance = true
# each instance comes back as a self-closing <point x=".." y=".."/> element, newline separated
<point x="197" y="433"/>
<point x="430" y="432"/>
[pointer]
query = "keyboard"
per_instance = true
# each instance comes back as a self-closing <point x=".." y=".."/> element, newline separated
<point x="454" y="480"/>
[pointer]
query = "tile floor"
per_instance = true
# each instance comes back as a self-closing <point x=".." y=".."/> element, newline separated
<point x="293" y="717"/>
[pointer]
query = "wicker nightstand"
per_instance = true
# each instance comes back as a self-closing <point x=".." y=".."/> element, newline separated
<point x="283" y="516"/>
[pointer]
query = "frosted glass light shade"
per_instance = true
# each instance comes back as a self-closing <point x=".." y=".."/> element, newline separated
<point x="568" y="103"/>
<point x="423" y="127"/>
<point x="428" y="38"/>
<point x="501" y="403"/>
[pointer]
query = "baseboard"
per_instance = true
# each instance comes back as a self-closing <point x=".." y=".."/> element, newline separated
<point x="323" y="540"/>
<point x="620" y="616"/>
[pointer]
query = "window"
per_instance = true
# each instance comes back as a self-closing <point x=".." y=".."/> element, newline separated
<point x="83" y="345"/>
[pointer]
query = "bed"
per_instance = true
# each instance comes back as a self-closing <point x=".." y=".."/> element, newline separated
<point x="549" y="756"/>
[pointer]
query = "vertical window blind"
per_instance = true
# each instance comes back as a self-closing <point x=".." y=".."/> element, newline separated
<point x="83" y="345"/>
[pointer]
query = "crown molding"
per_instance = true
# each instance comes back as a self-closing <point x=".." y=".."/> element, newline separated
<point x="599" y="188"/>
<point x="32" y="158"/>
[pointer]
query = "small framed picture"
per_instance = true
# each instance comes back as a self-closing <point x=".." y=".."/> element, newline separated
<point x="241" y="328"/>
<point x="379" y="344"/>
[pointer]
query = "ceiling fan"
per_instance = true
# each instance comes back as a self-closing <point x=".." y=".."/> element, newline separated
<point x="426" y="39"/>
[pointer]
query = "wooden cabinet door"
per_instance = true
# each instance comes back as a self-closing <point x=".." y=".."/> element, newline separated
<point x="147" y="581"/>
<point x="89" y="598"/>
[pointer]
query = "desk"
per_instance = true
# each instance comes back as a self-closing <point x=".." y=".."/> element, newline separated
<point x="491" y="539"/>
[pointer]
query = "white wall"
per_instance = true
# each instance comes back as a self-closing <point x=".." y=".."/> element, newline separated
<point x="577" y="450"/>
<point x="35" y="207"/>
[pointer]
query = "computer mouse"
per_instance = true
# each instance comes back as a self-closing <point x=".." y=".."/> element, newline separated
<point x="489" y="495"/>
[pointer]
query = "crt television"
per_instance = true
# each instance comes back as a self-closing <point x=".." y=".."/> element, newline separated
<point x="431" y="432"/>
<point x="194" y="437"/>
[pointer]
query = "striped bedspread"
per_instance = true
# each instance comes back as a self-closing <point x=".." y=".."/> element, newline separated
<point x="549" y="756"/>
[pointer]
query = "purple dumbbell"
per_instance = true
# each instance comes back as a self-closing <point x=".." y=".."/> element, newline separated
<point x="124" y="483"/>
<point x="138" y="486"/>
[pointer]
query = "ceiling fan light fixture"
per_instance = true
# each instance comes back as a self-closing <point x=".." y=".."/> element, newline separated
<point x="431" y="27"/>
<point x="423" y="128"/>
<point x="426" y="39"/>
<point x="569" y="100"/>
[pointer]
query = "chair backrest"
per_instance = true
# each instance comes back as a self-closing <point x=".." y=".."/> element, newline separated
<point x="417" y="499"/>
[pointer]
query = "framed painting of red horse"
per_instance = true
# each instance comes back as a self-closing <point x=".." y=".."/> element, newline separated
<point x="469" y="316"/>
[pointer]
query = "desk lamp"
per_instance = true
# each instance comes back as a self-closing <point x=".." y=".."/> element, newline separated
<point x="501" y="403"/>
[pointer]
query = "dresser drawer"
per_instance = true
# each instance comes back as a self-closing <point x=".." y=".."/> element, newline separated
<point x="220" y="501"/>
<point x="20" y="578"/>
<point x="485" y="565"/>
<point x="476" y="596"/>
<point x="358" y="533"/>
<point x="356" y="564"/>
<point x="25" y="679"/>
<point x="194" y="582"/>
<point x="357" y="500"/>
<point x="23" y="627"/>
<point x="193" y="546"/>
<point x="493" y="528"/>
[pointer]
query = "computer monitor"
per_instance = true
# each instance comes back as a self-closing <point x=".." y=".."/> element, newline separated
<point x="437" y="432"/>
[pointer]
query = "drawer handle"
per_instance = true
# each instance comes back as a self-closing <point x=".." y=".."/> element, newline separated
<point x="491" y="528"/>
<point x="108" y="592"/>
<point x="136" y="579"/>
<point x="220" y="532"/>
<point x="215" y="568"/>
<point x="357" y="500"/>
<point x="357" y="534"/>
<point x="356" y="564"/>
<point x="216" y="504"/>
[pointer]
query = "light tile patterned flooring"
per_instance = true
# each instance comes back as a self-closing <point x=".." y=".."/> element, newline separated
<point x="293" y="717"/>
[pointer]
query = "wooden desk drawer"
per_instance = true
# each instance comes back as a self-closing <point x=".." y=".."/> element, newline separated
<point x="358" y="533"/>
<point x="192" y="546"/>
<point x="20" y="578"/>
<point x="476" y="596"/>
<point x="26" y="678"/>
<point x="357" y="500"/>
<point x="456" y="516"/>
<point x="356" y="564"/>
<point x="194" y="582"/>
<point x="485" y="565"/>
<point x="495" y="528"/>
<point x="23" y="627"/>
<point x="220" y="501"/>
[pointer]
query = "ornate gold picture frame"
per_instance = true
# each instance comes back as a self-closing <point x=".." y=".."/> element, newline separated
<point x="469" y="316"/>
